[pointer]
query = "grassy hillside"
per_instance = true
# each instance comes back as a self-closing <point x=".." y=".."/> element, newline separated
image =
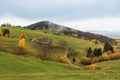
<point x="14" y="67"/>
<point x="10" y="44"/>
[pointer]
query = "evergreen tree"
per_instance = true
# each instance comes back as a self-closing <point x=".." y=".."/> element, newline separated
<point x="97" y="52"/>
<point x="89" y="52"/>
<point x="108" y="47"/>
<point x="74" y="60"/>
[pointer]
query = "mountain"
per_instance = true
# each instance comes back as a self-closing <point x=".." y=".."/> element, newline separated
<point x="109" y="33"/>
<point x="56" y="29"/>
<point x="49" y="25"/>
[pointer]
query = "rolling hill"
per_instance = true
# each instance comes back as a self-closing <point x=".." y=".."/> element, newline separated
<point x="33" y="51"/>
<point x="56" y="29"/>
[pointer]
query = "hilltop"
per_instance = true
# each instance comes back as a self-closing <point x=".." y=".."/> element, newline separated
<point x="57" y="29"/>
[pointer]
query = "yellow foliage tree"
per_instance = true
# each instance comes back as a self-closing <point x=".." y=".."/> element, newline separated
<point x="1" y="33"/>
<point x="22" y="40"/>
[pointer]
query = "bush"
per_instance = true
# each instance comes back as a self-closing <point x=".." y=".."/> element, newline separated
<point x="104" y="57"/>
<point x="86" y="61"/>
<point x="95" y="59"/>
<point x="62" y="59"/>
<point x="114" y="56"/>
<point x="92" y="66"/>
<point x="72" y="53"/>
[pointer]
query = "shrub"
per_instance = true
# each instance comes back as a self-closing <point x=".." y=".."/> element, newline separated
<point x="95" y="59"/>
<point x="62" y="59"/>
<point x="86" y="61"/>
<point x="114" y="56"/>
<point x="72" y="53"/>
<point x="105" y="57"/>
<point x="92" y="66"/>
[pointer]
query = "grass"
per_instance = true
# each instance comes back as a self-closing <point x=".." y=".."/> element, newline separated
<point x="14" y="67"/>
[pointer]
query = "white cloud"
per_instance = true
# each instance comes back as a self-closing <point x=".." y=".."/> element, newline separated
<point x="95" y="24"/>
<point x="104" y="23"/>
<point x="14" y="20"/>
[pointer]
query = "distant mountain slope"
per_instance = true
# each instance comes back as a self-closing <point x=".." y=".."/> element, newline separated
<point x="109" y="33"/>
<point x="69" y="31"/>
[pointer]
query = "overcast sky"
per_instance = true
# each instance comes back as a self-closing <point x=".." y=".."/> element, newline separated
<point x="78" y="14"/>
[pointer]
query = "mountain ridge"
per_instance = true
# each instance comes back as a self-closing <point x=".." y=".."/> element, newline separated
<point x="70" y="31"/>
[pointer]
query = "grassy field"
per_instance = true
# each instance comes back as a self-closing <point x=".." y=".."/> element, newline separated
<point x="14" y="67"/>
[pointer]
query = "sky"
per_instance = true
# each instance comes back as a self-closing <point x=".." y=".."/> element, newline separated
<point x="77" y="14"/>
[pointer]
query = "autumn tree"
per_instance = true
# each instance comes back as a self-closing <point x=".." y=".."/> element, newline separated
<point x="5" y="32"/>
<point x="22" y="40"/>
<point x="45" y="44"/>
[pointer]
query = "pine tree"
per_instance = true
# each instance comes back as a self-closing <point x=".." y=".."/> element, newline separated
<point x="74" y="60"/>
<point x="108" y="47"/>
<point x="97" y="52"/>
<point x="89" y="52"/>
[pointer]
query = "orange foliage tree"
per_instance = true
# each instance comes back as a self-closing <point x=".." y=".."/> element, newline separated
<point x="1" y="33"/>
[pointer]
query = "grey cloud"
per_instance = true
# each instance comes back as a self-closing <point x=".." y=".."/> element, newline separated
<point x="61" y="9"/>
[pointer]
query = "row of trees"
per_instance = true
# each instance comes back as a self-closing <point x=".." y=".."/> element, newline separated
<point x="98" y="51"/>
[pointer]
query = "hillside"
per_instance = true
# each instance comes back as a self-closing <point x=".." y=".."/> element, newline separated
<point x="57" y="29"/>
<point x="20" y="68"/>
<point x="32" y="50"/>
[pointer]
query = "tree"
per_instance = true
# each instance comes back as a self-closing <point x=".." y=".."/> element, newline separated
<point x="97" y="52"/>
<point x="74" y="60"/>
<point x="45" y="44"/>
<point x="89" y="52"/>
<point x="108" y="47"/>
<point x="5" y="32"/>
<point x="22" y="40"/>
<point x="62" y="44"/>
